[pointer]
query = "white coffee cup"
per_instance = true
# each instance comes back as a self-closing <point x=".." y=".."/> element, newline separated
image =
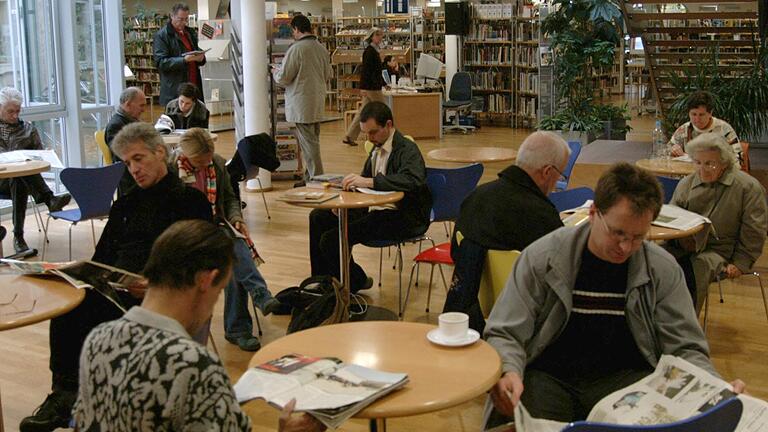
<point x="453" y="325"/>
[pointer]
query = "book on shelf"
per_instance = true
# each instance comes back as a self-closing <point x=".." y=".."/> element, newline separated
<point x="104" y="279"/>
<point x="675" y="391"/>
<point x="326" y="388"/>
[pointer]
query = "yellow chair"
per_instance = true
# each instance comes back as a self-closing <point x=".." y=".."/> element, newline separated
<point x="106" y="154"/>
<point x="496" y="271"/>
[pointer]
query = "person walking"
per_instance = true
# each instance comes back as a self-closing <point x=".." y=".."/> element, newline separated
<point x="371" y="80"/>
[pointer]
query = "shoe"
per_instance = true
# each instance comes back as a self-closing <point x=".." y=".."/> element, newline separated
<point x="349" y="142"/>
<point x="366" y="285"/>
<point x="246" y="343"/>
<point x="55" y="412"/>
<point x="19" y="245"/>
<point x="56" y="203"/>
<point x="272" y="305"/>
<point x="301" y="183"/>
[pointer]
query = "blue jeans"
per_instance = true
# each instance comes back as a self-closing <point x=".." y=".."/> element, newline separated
<point x="246" y="279"/>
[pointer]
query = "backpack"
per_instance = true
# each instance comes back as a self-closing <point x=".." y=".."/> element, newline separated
<point x="315" y="302"/>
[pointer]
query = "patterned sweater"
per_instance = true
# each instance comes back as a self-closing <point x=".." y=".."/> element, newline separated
<point x="143" y="372"/>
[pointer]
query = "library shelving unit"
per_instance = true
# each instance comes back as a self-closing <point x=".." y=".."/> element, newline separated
<point x="283" y="132"/>
<point x="138" y="34"/>
<point x="527" y="39"/>
<point x="326" y="34"/>
<point x="429" y="35"/>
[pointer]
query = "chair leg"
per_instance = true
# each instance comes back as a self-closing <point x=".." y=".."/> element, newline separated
<point x="762" y="291"/>
<point x="36" y="211"/>
<point x="408" y="290"/>
<point x="418" y="267"/>
<point x="399" y="258"/>
<point x="447" y="233"/>
<point x="720" y="288"/>
<point x="45" y="237"/>
<point x="70" y="241"/>
<point x="429" y="287"/>
<point x="264" y="198"/>
<point x="258" y="322"/>
<point x="93" y="234"/>
<point x="213" y="344"/>
<point x="706" y="310"/>
<point x="442" y="275"/>
<point x="381" y="258"/>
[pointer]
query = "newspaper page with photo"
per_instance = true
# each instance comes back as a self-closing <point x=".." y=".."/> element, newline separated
<point x="327" y="388"/>
<point x="679" y="218"/>
<point x="675" y="391"/>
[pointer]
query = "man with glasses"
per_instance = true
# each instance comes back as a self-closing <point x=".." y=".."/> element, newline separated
<point x="174" y="46"/>
<point x="590" y="309"/>
<point x="506" y="214"/>
<point x="735" y="203"/>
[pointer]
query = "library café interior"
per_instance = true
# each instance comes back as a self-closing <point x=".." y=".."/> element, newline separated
<point x="362" y="215"/>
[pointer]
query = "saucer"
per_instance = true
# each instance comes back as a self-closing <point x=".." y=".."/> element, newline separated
<point x="435" y="337"/>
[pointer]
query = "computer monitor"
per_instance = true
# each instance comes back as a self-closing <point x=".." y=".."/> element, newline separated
<point x="429" y="67"/>
<point x="387" y="78"/>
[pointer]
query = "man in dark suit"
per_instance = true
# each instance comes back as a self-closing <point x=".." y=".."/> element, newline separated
<point x="507" y="214"/>
<point x="395" y="164"/>
<point x="170" y="44"/>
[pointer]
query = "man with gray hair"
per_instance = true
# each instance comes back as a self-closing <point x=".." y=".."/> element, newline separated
<point x="133" y="102"/>
<point x="17" y="134"/>
<point x="508" y="214"/>
<point x="135" y="221"/>
<point x="735" y="203"/>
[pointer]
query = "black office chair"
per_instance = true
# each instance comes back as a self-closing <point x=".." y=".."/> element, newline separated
<point x="460" y="100"/>
<point x="253" y="152"/>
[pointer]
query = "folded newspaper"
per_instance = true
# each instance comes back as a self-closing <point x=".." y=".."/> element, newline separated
<point x="675" y="391"/>
<point x="102" y="278"/>
<point x="326" y="388"/>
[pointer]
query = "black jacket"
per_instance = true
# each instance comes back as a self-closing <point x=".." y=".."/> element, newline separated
<point x="198" y="117"/>
<point x="370" y="71"/>
<point x="508" y="214"/>
<point x="25" y="137"/>
<point x="115" y="125"/>
<point x="406" y="173"/>
<point x="138" y="218"/>
<point x="167" y="49"/>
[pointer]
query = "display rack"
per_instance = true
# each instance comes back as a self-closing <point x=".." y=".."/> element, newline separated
<point x="283" y="132"/>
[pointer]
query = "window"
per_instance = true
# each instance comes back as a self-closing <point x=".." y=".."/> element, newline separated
<point x="89" y="15"/>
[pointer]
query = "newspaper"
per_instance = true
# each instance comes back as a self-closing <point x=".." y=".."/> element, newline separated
<point x="675" y="391"/>
<point x="679" y="218"/>
<point x="18" y="156"/>
<point x="326" y="388"/>
<point x="102" y="278"/>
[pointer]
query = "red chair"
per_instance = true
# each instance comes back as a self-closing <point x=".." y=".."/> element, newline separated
<point x="436" y="255"/>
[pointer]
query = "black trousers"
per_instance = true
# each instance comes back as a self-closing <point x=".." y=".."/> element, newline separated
<point x="545" y="396"/>
<point x="20" y="188"/>
<point x="468" y="260"/>
<point x="68" y="333"/>
<point x="364" y="226"/>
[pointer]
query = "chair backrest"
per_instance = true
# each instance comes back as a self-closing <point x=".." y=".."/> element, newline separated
<point x="744" y="157"/>
<point x="496" y="270"/>
<point x="724" y="417"/>
<point x="101" y="142"/>
<point x="459" y="183"/>
<point x="571" y="198"/>
<point x="257" y="151"/>
<point x="461" y="87"/>
<point x="575" y="147"/>
<point x="668" y="185"/>
<point x="93" y="188"/>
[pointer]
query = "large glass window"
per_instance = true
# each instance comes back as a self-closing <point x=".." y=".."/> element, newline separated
<point x="90" y="52"/>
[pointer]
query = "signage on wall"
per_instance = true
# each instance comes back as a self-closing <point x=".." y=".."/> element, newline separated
<point x="396" y="6"/>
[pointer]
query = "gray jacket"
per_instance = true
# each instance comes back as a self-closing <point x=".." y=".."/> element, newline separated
<point x="535" y="305"/>
<point x="305" y="70"/>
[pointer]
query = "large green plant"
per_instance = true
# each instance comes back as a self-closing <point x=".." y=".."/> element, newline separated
<point x="583" y="35"/>
<point x="741" y="98"/>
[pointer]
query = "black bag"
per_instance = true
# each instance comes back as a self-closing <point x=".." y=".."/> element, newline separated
<point x="315" y="302"/>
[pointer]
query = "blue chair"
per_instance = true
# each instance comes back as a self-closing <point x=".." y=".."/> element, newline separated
<point x="668" y="185"/>
<point x="724" y="417"/>
<point x="447" y="198"/>
<point x="571" y="198"/>
<point x="575" y="150"/>
<point x="93" y="190"/>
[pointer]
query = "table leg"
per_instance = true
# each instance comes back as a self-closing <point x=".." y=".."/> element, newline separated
<point x="1" y="416"/>
<point x="378" y="425"/>
<point x="344" y="255"/>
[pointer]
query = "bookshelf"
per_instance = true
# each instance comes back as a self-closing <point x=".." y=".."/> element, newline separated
<point x="138" y="34"/>
<point x="527" y="28"/>
<point x="287" y="144"/>
<point x="429" y="35"/>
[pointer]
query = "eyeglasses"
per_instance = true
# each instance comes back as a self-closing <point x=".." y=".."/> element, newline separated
<point x="710" y="165"/>
<point x="183" y="19"/>
<point x="620" y="236"/>
<point x="563" y="177"/>
<point x="17" y="310"/>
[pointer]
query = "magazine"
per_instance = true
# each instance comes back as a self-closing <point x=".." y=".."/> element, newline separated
<point x="675" y="391"/>
<point x="332" y="180"/>
<point x="100" y="277"/>
<point x="307" y="196"/>
<point x="195" y="52"/>
<point x="326" y="388"/>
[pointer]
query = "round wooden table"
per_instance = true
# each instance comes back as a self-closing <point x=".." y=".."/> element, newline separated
<point x="667" y="167"/>
<point x="657" y="232"/>
<point x="343" y="202"/>
<point x="173" y="138"/>
<point x="473" y="154"/>
<point x="439" y="377"/>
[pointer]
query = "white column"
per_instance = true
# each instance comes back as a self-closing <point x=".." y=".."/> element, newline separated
<point x="70" y="77"/>
<point x="255" y="79"/>
<point x="451" y="60"/>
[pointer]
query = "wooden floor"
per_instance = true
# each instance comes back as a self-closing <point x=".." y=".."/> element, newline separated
<point x="738" y="331"/>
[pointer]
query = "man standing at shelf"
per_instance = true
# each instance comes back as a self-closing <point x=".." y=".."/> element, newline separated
<point x="371" y="80"/>
<point x="305" y="69"/>
<point x="170" y="45"/>
<point x="591" y="309"/>
<point x="17" y="134"/>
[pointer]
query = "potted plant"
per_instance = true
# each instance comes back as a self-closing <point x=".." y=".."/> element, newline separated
<point x="614" y="120"/>
<point x="584" y="35"/>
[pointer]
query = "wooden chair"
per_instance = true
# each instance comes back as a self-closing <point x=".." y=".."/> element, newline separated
<point x="106" y="154"/>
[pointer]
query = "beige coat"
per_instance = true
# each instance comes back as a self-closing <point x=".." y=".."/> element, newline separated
<point x="305" y="70"/>
<point x="737" y="207"/>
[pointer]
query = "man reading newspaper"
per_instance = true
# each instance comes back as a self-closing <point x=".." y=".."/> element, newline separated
<point x="590" y="309"/>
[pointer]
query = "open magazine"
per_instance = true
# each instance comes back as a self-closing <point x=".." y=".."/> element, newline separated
<point x="326" y="388"/>
<point x="18" y="156"/>
<point x="100" y="277"/>
<point x="675" y="391"/>
<point x="679" y="218"/>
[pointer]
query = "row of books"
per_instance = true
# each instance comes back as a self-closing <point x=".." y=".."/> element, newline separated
<point x="528" y="81"/>
<point x="528" y="56"/>
<point x="490" y="32"/>
<point x="527" y="31"/>
<point x="491" y="80"/>
<point x="528" y="106"/>
<point x="498" y="103"/>
<point x="141" y="62"/>
<point x="493" y="11"/>
<point x="491" y="55"/>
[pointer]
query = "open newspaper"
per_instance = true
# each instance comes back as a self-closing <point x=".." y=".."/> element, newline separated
<point x="679" y="218"/>
<point x="100" y="277"/>
<point x="326" y="388"/>
<point x="675" y="391"/>
<point x="18" y="156"/>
